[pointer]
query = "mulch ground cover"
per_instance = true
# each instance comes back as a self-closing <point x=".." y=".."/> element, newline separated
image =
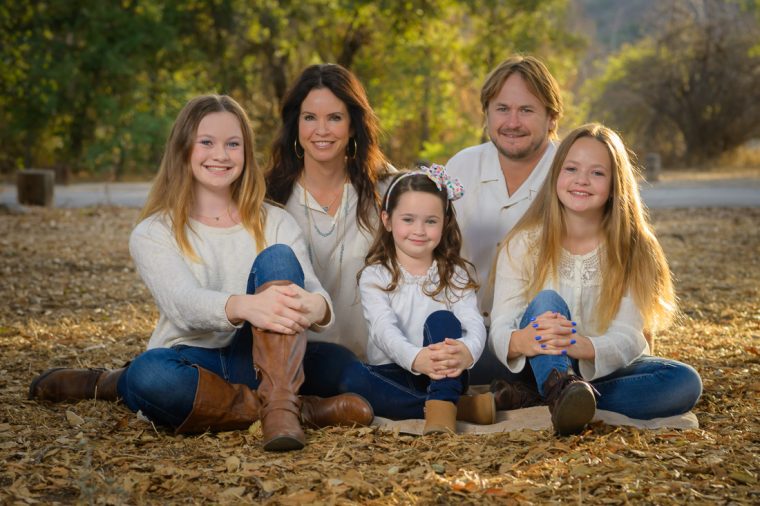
<point x="71" y="297"/>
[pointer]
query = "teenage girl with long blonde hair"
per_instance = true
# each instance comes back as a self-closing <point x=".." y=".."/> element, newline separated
<point x="578" y="282"/>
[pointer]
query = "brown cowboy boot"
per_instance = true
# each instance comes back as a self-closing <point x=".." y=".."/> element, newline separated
<point x="278" y="359"/>
<point x="219" y="406"/>
<point x="514" y="395"/>
<point x="571" y="401"/>
<point x="62" y="384"/>
<point x="479" y="409"/>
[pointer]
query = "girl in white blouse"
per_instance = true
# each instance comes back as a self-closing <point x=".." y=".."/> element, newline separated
<point x="418" y="296"/>
<point x="578" y="281"/>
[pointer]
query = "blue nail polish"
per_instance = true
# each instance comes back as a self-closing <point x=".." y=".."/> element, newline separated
<point x="543" y="346"/>
<point x="574" y="331"/>
<point x="572" y="341"/>
<point x="533" y="319"/>
<point x="574" y="324"/>
<point x="535" y="325"/>
<point x="564" y="352"/>
<point x="538" y="338"/>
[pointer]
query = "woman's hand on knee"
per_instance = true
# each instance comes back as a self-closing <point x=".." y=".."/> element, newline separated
<point x="270" y="310"/>
<point x="312" y="305"/>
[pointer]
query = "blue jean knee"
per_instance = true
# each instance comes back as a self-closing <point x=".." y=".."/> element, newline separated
<point x="161" y="385"/>
<point x="438" y="326"/>
<point x="277" y="262"/>
<point x="542" y="365"/>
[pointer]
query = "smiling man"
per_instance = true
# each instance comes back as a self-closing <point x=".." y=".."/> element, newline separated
<point x="522" y="106"/>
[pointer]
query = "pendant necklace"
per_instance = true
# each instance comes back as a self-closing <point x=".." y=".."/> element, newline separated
<point x="340" y="237"/>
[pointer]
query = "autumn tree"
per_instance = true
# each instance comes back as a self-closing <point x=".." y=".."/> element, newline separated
<point x="691" y="90"/>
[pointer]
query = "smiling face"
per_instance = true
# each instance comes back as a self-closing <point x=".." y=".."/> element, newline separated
<point x="585" y="178"/>
<point x="416" y="223"/>
<point x="517" y="122"/>
<point x="324" y="128"/>
<point x="218" y="157"/>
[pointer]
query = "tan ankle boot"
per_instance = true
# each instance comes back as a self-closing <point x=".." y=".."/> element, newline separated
<point x="62" y="384"/>
<point x="220" y="406"/>
<point x="440" y="417"/>
<point x="278" y="359"/>
<point x="479" y="409"/>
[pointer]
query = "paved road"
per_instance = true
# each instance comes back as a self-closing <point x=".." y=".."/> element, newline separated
<point x="669" y="194"/>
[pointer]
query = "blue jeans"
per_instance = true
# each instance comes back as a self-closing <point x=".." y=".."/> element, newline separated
<point x="395" y="392"/>
<point x="161" y="382"/>
<point x="649" y="387"/>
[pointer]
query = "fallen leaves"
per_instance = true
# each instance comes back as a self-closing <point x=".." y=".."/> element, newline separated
<point x="73" y="298"/>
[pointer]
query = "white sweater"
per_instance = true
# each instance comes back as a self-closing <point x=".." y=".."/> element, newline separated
<point x="396" y="319"/>
<point x="191" y="296"/>
<point x="579" y="284"/>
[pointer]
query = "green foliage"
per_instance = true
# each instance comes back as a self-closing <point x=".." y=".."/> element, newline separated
<point x="690" y="91"/>
<point x="94" y="84"/>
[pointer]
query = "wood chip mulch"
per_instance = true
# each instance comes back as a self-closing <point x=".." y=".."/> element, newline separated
<point x="71" y="297"/>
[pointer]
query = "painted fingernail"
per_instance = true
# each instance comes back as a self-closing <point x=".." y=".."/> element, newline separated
<point x="564" y="352"/>
<point x="574" y="324"/>
<point x="572" y="341"/>
<point x="538" y="338"/>
<point x="535" y="325"/>
<point x="574" y="331"/>
<point x="533" y="319"/>
<point x="543" y="346"/>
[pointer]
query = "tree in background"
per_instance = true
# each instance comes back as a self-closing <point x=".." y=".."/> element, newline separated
<point x="690" y="91"/>
<point x="94" y="84"/>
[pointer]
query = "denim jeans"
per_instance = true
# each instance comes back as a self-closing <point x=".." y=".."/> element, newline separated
<point x="649" y="387"/>
<point x="161" y="382"/>
<point x="395" y="392"/>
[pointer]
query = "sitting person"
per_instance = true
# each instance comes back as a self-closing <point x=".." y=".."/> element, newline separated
<point x="235" y="291"/>
<point x="578" y="280"/>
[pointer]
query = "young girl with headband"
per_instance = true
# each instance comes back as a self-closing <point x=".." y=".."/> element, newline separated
<point x="578" y="281"/>
<point x="418" y="297"/>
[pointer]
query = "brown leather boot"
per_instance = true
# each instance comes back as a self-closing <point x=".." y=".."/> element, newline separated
<point x="219" y="405"/>
<point x="514" y="395"/>
<point x="346" y="410"/>
<point x="62" y="384"/>
<point x="479" y="409"/>
<point x="571" y="401"/>
<point x="278" y="359"/>
<point x="440" y="417"/>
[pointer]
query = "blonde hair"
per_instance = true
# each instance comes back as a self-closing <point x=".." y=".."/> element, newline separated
<point x="538" y="79"/>
<point x="173" y="192"/>
<point x="632" y="257"/>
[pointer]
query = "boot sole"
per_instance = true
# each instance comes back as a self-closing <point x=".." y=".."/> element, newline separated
<point x="283" y="444"/>
<point x="574" y="410"/>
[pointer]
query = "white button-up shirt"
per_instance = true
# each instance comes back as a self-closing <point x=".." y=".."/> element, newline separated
<point x="487" y="212"/>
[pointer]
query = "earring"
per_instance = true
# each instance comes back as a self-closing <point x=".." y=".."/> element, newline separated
<point x="295" y="148"/>
<point x="348" y="146"/>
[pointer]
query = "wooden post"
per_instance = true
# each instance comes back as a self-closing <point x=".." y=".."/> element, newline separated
<point x="34" y="187"/>
<point x="653" y="167"/>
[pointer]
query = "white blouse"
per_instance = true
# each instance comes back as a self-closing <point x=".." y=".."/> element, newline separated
<point x="191" y="296"/>
<point x="396" y="319"/>
<point x="336" y="247"/>
<point x="579" y="284"/>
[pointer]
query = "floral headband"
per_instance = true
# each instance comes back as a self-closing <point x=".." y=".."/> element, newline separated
<point x="437" y="174"/>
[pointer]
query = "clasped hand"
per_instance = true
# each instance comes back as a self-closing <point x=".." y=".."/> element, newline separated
<point x="446" y="359"/>
<point x="550" y="334"/>
<point x="286" y="309"/>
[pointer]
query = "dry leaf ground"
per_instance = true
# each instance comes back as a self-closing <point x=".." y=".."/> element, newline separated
<point x="71" y="297"/>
